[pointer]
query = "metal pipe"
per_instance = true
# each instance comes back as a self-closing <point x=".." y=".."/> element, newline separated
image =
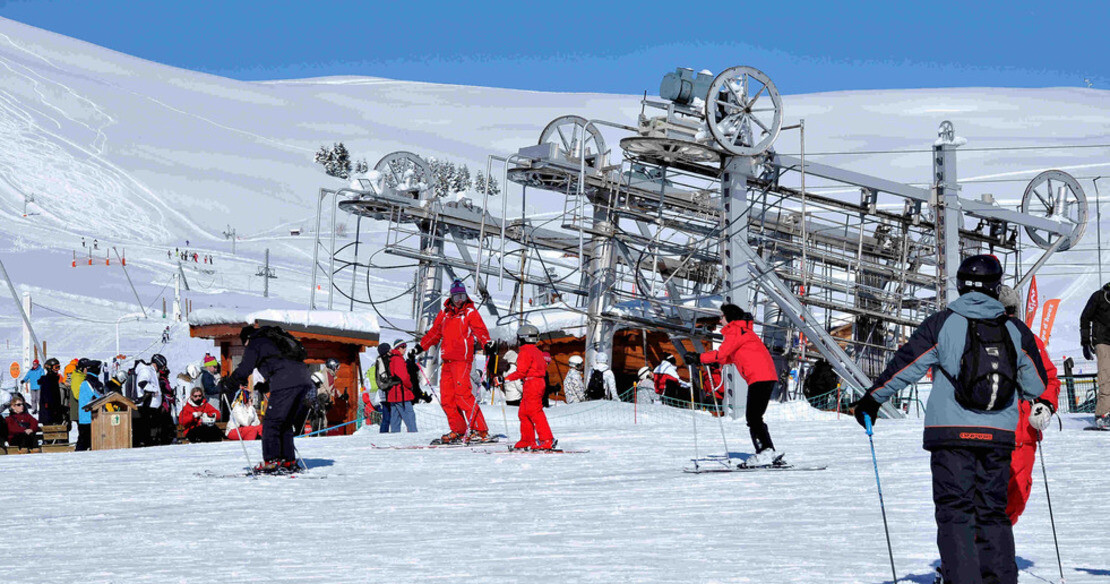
<point x="122" y="265"/>
<point x="1098" y="228"/>
<point x="354" y="266"/>
<point x="1040" y="262"/>
<point x="22" y="313"/>
<point x="316" y="248"/>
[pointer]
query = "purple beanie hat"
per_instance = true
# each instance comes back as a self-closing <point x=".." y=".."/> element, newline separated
<point x="457" y="287"/>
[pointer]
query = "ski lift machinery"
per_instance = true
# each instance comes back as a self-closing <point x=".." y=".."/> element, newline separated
<point x="699" y="208"/>
<point x="700" y="187"/>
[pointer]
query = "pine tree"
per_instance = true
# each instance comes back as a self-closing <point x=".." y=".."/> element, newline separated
<point x="336" y="160"/>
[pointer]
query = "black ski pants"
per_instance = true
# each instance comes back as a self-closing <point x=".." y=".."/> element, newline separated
<point x="284" y="410"/>
<point x="974" y="534"/>
<point x="84" y="437"/>
<point x="204" y="433"/>
<point x="759" y="395"/>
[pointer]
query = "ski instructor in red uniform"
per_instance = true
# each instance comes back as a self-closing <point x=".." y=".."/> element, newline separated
<point x="458" y="329"/>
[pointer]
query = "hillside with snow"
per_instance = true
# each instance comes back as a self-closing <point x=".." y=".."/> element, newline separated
<point x="145" y="157"/>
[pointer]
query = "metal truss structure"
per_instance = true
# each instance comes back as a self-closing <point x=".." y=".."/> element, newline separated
<point x="696" y="208"/>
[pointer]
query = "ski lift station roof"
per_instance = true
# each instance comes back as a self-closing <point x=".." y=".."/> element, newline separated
<point x="331" y="325"/>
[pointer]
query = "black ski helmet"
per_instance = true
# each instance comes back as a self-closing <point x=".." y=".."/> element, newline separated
<point x="979" y="273"/>
<point x="332" y="364"/>
<point x="246" y="333"/>
<point x="383" y="349"/>
<point x="159" y="362"/>
<point x="93" y="367"/>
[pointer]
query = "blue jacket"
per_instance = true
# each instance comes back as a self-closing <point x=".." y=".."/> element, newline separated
<point x="91" y="390"/>
<point x="940" y="340"/>
<point x="33" y="376"/>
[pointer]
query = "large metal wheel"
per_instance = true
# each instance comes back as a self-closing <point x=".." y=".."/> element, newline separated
<point x="1057" y="196"/>
<point x="406" y="172"/>
<point x="667" y="151"/>
<point x="576" y="138"/>
<point x="744" y="111"/>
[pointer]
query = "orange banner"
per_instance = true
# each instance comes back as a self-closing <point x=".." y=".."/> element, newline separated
<point x="1047" y="318"/>
<point x="1031" y="301"/>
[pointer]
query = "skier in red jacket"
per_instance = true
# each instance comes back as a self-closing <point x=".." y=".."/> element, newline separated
<point x="457" y="329"/>
<point x="744" y="349"/>
<point x="1027" y="436"/>
<point x="531" y="367"/>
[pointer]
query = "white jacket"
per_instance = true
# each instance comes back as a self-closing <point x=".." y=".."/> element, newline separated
<point x="610" y="380"/>
<point x="242" y="414"/>
<point x="668" y="368"/>
<point x="514" y="390"/>
<point x="573" y="387"/>
<point x="645" y="392"/>
<point x="146" y="381"/>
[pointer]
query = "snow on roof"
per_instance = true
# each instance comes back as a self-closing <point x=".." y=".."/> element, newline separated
<point x="356" y="322"/>
<point x="548" y="319"/>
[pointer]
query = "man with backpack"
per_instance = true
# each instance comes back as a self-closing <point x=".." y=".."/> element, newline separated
<point x="1094" y="334"/>
<point x="279" y="357"/>
<point x="983" y="362"/>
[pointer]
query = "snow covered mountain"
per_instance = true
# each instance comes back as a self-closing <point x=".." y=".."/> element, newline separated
<point x="143" y="157"/>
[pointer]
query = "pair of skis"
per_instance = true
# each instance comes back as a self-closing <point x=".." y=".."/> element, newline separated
<point x="723" y="464"/>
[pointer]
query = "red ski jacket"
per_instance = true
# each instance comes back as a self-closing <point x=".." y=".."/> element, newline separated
<point x="530" y="365"/>
<point x="19" y="424"/>
<point x="458" y="328"/>
<point x="1027" y="434"/>
<point x="189" y="421"/>
<point x="402" y="392"/>
<point x="744" y="349"/>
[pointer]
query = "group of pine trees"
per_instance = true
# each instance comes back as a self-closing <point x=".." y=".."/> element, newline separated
<point x="448" y="178"/>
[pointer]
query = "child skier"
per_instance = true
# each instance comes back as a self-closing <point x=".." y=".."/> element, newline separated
<point x="532" y="369"/>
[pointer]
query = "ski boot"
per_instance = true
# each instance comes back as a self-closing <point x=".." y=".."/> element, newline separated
<point x="523" y="445"/>
<point x="765" y="457"/>
<point x="288" y="467"/>
<point x="270" y="467"/>
<point x="448" y="438"/>
<point x="546" y="445"/>
<point x="476" y="437"/>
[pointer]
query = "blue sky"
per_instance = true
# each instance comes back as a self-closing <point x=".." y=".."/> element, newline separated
<point x="606" y="46"/>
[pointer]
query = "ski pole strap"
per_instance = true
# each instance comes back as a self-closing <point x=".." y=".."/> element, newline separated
<point x="321" y="430"/>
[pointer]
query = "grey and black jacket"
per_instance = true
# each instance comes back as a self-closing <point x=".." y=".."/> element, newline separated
<point x="940" y="340"/>
<point x="1094" y="322"/>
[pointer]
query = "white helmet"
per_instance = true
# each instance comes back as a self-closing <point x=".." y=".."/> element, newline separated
<point x="644" y="373"/>
<point x="575" y="361"/>
<point x="601" y="358"/>
<point x="192" y="370"/>
<point x="319" y="378"/>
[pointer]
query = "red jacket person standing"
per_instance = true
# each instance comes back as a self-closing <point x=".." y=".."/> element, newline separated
<point x="531" y="367"/>
<point x="746" y="351"/>
<point x="457" y="329"/>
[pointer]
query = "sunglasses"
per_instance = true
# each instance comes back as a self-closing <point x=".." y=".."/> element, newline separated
<point x="17" y="404"/>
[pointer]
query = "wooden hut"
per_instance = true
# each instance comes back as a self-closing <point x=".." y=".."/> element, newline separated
<point x="111" y="421"/>
<point x="325" y="334"/>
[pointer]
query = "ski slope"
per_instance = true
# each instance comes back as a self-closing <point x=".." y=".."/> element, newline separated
<point x="623" y="512"/>
<point x="143" y="157"/>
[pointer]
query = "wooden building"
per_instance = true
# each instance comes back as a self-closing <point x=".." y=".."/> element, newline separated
<point x="111" y="421"/>
<point x="325" y="334"/>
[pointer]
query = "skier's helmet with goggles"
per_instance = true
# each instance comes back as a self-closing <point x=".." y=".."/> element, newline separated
<point x="528" y="334"/>
<point x="979" y="273"/>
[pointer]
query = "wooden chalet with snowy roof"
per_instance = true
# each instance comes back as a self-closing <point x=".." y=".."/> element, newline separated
<point x="325" y="334"/>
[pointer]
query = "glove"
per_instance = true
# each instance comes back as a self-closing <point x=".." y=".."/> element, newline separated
<point x="1088" y="352"/>
<point x="415" y="350"/>
<point x="866" y="405"/>
<point x="490" y="348"/>
<point x="196" y="414"/>
<point x="691" y="358"/>
<point x="1041" y="414"/>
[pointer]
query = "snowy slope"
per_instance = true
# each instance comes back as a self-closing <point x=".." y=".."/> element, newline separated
<point x="143" y="156"/>
<point x="624" y="512"/>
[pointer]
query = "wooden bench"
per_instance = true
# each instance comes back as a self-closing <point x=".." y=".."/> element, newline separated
<point x="55" y="438"/>
<point x="181" y="431"/>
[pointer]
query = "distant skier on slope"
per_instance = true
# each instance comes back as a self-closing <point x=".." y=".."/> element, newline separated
<point x="459" y="328"/>
<point x="532" y="370"/>
<point x="983" y="361"/>
<point x="280" y="359"/>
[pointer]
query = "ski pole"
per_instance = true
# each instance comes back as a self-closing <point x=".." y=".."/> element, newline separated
<point x="720" y="421"/>
<point x="229" y="414"/>
<point x="693" y="415"/>
<point x="879" y="486"/>
<point x="1055" y="541"/>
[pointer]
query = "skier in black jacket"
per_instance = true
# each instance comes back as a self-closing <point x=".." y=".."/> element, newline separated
<point x="1094" y="334"/>
<point x="289" y="381"/>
